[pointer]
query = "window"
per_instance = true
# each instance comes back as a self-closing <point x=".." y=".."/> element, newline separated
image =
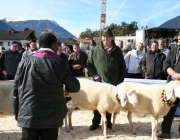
<point x="130" y="40"/>
<point x="1" y="43"/>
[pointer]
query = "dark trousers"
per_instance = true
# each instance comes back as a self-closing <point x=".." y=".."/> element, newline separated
<point x="1" y="76"/>
<point x="167" y="120"/>
<point x="134" y="75"/>
<point x="8" y="77"/>
<point x="97" y="118"/>
<point x="43" y="134"/>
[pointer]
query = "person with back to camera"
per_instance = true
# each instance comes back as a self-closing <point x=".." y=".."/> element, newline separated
<point x="106" y="64"/>
<point x="38" y="96"/>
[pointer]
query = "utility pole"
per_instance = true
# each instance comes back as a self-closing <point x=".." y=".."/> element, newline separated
<point x="102" y="18"/>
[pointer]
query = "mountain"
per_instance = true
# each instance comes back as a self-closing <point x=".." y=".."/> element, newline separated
<point x="38" y="26"/>
<point x="4" y="26"/>
<point x="172" y="23"/>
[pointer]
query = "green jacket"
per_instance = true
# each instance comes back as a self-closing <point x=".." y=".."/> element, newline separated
<point x="109" y="66"/>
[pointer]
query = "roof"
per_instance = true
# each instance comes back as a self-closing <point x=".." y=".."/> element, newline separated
<point x="16" y="35"/>
<point x="162" y="29"/>
<point x="82" y="40"/>
<point x="66" y="40"/>
<point x="161" y="32"/>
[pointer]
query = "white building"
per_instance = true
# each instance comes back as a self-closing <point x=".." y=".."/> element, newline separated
<point x="21" y="36"/>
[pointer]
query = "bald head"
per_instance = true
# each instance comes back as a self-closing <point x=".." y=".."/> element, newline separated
<point x="47" y="30"/>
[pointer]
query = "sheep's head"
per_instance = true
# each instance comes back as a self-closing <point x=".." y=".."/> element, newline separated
<point x="127" y="94"/>
<point x="172" y="90"/>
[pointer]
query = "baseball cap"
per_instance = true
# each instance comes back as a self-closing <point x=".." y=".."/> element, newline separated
<point x="14" y="43"/>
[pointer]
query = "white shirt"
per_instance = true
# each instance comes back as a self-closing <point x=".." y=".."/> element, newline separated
<point x="132" y="59"/>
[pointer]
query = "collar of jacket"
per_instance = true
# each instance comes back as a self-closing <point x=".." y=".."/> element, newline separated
<point x="45" y="53"/>
<point x="114" y="47"/>
<point x="157" y="51"/>
<point x="12" y="51"/>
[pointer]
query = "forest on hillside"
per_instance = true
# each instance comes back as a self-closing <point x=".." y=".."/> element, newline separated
<point x="119" y="30"/>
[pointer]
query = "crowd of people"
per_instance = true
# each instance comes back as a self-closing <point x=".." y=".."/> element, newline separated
<point x="40" y="69"/>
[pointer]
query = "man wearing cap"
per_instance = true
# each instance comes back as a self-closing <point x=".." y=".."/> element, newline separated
<point x="171" y="66"/>
<point x="9" y="61"/>
<point x="32" y="49"/>
<point x="106" y="64"/>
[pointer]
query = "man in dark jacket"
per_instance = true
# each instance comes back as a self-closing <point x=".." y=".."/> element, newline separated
<point x="172" y="68"/>
<point x="38" y="98"/>
<point x="152" y="62"/>
<point x="106" y="64"/>
<point x="20" y="48"/>
<point x="9" y="61"/>
<point x="77" y="60"/>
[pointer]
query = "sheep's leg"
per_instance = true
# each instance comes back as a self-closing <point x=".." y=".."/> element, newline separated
<point x="70" y="120"/>
<point x="129" y="116"/>
<point x="66" y="125"/>
<point x="154" y="123"/>
<point x="104" y="123"/>
<point x="59" y="131"/>
<point x="102" y="126"/>
<point x="114" y="118"/>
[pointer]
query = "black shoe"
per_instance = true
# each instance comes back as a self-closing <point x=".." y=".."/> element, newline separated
<point x="109" y="125"/>
<point x="164" y="135"/>
<point x="93" y="127"/>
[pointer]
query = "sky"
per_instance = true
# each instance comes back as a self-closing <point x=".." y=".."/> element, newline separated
<point x="78" y="15"/>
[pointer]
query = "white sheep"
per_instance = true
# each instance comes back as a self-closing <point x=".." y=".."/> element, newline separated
<point x="150" y="100"/>
<point x="6" y="98"/>
<point x="102" y="97"/>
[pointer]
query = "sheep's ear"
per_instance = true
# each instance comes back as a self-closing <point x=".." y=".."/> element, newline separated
<point x="169" y="93"/>
<point x="123" y="99"/>
<point x="177" y="91"/>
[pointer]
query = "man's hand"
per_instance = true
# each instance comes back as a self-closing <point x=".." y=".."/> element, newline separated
<point x="176" y="76"/>
<point x="79" y="67"/>
<point x="66" y="93"/>
<point x="5" y="72"/>
<point x="97" y="78"/>
<point x="76" y="66"/>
